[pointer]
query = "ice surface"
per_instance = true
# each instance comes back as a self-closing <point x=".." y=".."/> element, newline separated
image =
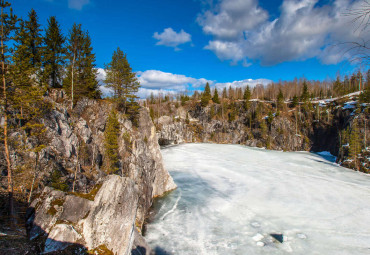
<point x="228" y="195"/>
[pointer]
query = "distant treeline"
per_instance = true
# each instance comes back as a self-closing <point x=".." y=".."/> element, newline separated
<point x="287" y="89"/>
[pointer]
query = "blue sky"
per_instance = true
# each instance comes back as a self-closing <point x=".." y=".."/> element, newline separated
<point x="179" y="44"/>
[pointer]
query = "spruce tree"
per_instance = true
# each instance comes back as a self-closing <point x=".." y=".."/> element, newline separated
<point x="80" y="80"/>
<point x="34" y="38"/>
<point x="30" y="38"/>
<point x="27" y="55"/>
<point x="338" y="87"/>
<point x="27" y="94"/>
<point x="365" y="95"/>
<point x="122" y="80"/>
<point x="247" y="96"/>
<point x="89" y="86"/>
<point x="53" y="61"/>
<point x="7" y="26"/>
<point x="215" y="98"/>
<point x="206" y="95"/>
<point x="224" y="93"/>
<point x="354" y="143"/>
<point x="111" y="142"/>
<point x="305" y="94"/>
<point x="22" y="70"/>
<point x="280" y="100"/>
<point x="231" y="93"/>
<point x="295" y="101"/>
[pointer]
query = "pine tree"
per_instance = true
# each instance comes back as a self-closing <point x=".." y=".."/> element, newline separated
<point x="80" y="80"/>
<point x="111" y="142"/>
<point x="54" y="51"/>
<point x="122" y="80"/>
<point x="206" y="95"/>
<point x="8" y="21"/>
<point x="215" y="98"/>
<point x="74" y="49"/>
<point x="247" y="96"/>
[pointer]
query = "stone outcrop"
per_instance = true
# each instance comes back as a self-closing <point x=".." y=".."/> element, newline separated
<point x="111" y="219"/>
<point x="200" y="125"/>
<point x="292" y="130"/>
<point x="108" y="220"/>
<point x="74" y="156"/>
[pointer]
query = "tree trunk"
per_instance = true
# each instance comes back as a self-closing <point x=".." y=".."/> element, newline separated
<point x="34" y="179"/>
<point x="77" y="167"/>
<point x="6" y="149"/>
<point x="73" y="66"/>
<point x="365" y="133"/>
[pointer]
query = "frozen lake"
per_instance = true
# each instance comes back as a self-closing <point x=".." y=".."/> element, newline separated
<point x="231" y="198"/>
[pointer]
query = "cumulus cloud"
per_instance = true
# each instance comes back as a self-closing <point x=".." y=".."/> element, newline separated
<point x="101" y="74"/>
<point x="303" y="30"/>
<point x="77" y="4"/>
<point x="145" y="93"/>
<point x="171" y="38"/>
<point x="155" y="81"/>
<point x="243" y="83"/>
<point x="231" y="17"/>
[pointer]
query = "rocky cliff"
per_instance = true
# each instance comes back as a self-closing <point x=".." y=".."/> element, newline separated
<point x="312" y="127"/>
<point x="79" y="202"/>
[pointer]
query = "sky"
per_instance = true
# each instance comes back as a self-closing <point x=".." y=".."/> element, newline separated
<point x="174" y="45"/>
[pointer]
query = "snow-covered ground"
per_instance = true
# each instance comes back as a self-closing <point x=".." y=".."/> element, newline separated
<point x="230" y="199"/>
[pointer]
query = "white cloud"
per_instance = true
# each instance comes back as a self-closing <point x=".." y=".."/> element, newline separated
<point x="77" y="4"/>
<point x="101" y="77"/>
<point x="154" y="79"/>
<point x="243" y="83"/>
<point x="171" y="38"/>
<point x="145" y="93"/>
<point x="157" y="81"/>
<point x="242" y="31"/>
<point x="231" y="17"/>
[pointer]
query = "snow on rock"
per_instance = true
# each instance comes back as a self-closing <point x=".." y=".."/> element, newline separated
<point x="261" y="244"/>
<point x="350" y="105"/>
<point x="258" y="237"/>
